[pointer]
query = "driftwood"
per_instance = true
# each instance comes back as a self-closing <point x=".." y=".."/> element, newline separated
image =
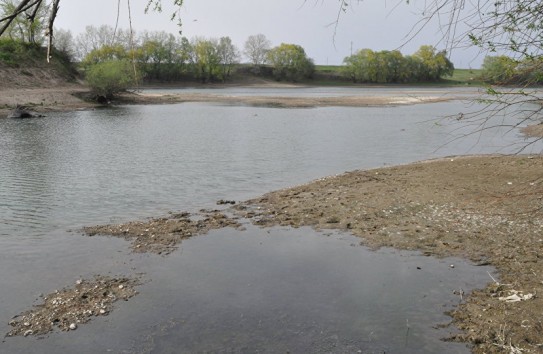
<point x="22" y="112"/>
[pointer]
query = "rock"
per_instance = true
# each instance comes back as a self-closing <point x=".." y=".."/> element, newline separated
<point x="22" y="112"/>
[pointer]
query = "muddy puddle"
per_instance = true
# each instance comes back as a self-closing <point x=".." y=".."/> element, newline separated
<point x="274" y="290"/>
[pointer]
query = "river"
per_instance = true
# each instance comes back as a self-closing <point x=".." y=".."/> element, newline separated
<point x="275" y="290"/>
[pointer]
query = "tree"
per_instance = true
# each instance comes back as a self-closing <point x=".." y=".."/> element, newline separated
<point x="228" y="56"/>
<point x="105" y="53"/>
<point x="436" y="64"/>
<point x="290" y="62"/>
<point x="391" y="66"/>
<point x="256" y="49"/>
<point x="65" y="43"/>
<point x="28" y="28"/>
<point x="206" y="59"/>
<point x="97" y="37"/>
<point x="156" y="53"/>
<point x="499" y="69"/>
<point x="27" y="10"/>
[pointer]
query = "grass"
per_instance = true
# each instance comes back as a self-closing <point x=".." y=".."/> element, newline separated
<point x="465" y="77"/>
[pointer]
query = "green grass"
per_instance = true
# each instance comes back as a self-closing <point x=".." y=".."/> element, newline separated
<point x="465" y="77"/>
<point x="328" y="68"/>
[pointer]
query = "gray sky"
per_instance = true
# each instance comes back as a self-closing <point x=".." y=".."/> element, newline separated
<point x="374" y="24"/>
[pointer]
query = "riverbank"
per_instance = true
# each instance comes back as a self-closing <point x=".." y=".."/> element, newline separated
<point x="70" y="97"/>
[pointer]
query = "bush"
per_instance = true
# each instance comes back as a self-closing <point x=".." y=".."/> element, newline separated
<point x="110" y="77"/>
<point x="14" y="52"/>
<point x="290" y="63"/>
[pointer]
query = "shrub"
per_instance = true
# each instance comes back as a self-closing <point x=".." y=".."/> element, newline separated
<point x="111" y="77"/>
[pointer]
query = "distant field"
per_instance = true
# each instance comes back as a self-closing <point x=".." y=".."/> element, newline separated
<point x="328" y="68"/>
<point x="465" y="76"/>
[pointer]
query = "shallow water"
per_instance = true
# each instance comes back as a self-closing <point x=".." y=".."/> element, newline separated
<point x="275" y="290"/>
<point x="83" y="168"/>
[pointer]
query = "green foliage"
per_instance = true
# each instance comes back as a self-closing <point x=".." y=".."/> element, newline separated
<point x="206" y="60"/>
<point x="503" y="70"/>
<point x="161" y="56"/>
<point x="108" y="78"/>
<point x="435" y="64"/>
<point x="498" y="69"/>
<point x="104" y="54"/>
<point x="27" y="26"/>
<point x="14" y="52"/>
<point x="290" y="63"/>
<point x="392" y="67"/>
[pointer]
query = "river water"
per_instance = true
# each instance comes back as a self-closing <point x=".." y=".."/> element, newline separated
<point x="272" y="290"/>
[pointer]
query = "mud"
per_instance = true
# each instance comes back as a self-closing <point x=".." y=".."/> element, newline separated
<point x="68" y="308"/>
<point x="163" y="235"/>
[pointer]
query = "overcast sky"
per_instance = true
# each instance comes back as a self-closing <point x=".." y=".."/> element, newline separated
<point x="374" y="24"/>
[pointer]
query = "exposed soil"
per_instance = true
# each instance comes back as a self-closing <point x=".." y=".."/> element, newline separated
<point x="68" y="308"/>
<point x="41" y="88"/>
<point x="42" y="100"/>
<point x="163" y="235"/>
<point x="488" y="209"/>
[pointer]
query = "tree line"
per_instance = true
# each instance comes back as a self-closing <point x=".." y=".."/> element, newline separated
<point x="504" y="70"/>
<point x="426" y="65"/>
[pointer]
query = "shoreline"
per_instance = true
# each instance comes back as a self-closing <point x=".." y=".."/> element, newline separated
<point x="71" y="97"/>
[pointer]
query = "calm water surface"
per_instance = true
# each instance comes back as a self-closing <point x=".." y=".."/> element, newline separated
<point x="240" y="291"/>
